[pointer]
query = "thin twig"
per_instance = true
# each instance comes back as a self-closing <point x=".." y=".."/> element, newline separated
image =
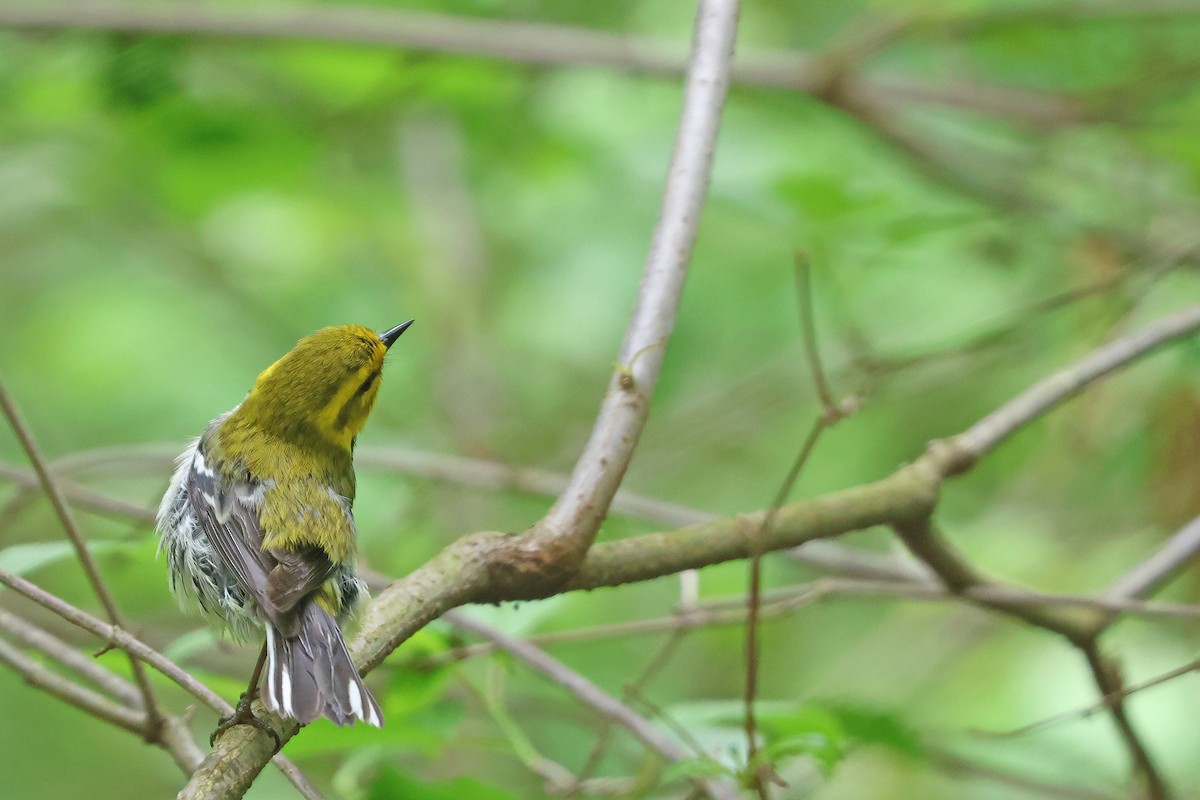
<point x="1106" y="675"/>
<point x="80" y="496"/>
<point x="656" y="663"/>
<point x="831" y="414"/>
<point x="518" y="42"/>
<point x="732" y="610"/>
<point x="155" y="458"/>
<point x="63" y="511"/>
<point x="1160" y="567"/>
<point x="963" y="767"/>
<point x="143" y="652"/>
<point x="927" y="543"/>
<point x="985" y="435"/>
<point x="808" y="331"/>
<point x="763" y="773"/>
<point x="1102" y="704"/>
<point x="33" y="636"/>
<point x="591" y="695"/>
<point x="72" y="693"/>
<point x="175" y="737"/>
<point x="1011" y="324"/>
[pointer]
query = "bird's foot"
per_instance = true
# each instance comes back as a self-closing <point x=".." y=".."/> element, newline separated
<point x="243" y="714"/>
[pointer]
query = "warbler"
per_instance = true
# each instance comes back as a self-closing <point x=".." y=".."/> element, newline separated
<point x="258" y="528"/>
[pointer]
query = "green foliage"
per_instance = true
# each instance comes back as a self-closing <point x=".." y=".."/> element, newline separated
<point x="22" y="559"/>
<point x="391" y="784"/>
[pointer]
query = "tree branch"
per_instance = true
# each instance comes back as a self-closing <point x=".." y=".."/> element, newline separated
<point x="1051" y="391"/>
<point x="142" y="651"/>
<point x="63" y="511"/>
<point x="462" y="573"/>
<point x="555" y="546"/>
<point x="518" y="42"/>
<point x="830" y="557"/>
<point x="592" y="696"/>
<point x="71" y="693"/>
<point x="567" y="530"/>
<point x="928" y="545"/>
<point x="33" y="636"/>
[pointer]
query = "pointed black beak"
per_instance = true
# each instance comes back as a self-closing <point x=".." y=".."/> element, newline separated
<point x="390" y="337"/>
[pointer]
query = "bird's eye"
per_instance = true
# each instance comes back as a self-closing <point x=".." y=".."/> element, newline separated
<point x="366" y="384"/>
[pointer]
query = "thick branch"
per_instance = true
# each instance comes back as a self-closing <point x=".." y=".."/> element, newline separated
<point x="567" y="530"/>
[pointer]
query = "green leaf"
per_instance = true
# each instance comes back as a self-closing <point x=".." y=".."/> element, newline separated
<point x="825" y="197"/>
<point x="882" y="728"/>
<point x="391" y="784"/>
<point x="783" y="723"/>
<point x="825" y="751"/>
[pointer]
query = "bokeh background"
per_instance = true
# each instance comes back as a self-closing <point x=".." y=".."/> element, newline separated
<point x="1011" y="185"/>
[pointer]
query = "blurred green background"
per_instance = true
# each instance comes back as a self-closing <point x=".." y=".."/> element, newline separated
<point x="175" y="211"/>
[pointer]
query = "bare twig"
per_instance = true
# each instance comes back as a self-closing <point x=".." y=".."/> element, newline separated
<point x="967" y="768"/>
<point x="81" y="551"/>
<point x="808" y="331"/>
<point x="80" y="496"/>
<point x="928" y="545"/>
<point x="139" y="649"/>
<point x="1154" y="572"/>
<point x="175" y="737"/>
<point x="731" y="610"/>
<point x="1049" y="392"/>
<point x="519" y="42"/>
<point x="604" y="735"/>
<point x="33" y="636"/>
<point x="593" y="696"/>
<point x="486" y="474"/>
<point x="72" y="693"/>
<point x="763" y="773"/>
<point x="1107" y="676"/>
<point x="1074" y="13"/>
<point x="1009" y="324"/>
<point x="831" y="414"/>
<point x="1101" y="704"/>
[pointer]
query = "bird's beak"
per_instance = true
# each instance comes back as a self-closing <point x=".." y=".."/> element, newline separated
<point x="390" y="337"/>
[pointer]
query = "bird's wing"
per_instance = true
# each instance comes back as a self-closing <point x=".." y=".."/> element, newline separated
<point x="298" y="574"/>
<point x="278" y="578"/>
<point x="230" y="520"/>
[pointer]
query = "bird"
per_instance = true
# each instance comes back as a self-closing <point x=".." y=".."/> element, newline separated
<point x="258" y="529"/>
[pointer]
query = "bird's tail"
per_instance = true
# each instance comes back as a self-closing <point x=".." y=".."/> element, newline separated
<point x="310" y="674"/>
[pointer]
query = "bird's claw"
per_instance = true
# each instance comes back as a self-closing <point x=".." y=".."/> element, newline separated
<point x="243" y="714"/>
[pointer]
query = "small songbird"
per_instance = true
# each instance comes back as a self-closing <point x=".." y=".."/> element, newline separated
<point x="258" y="529"/>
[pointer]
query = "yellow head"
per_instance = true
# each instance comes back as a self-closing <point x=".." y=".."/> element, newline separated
<point x="324" y="387"/>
